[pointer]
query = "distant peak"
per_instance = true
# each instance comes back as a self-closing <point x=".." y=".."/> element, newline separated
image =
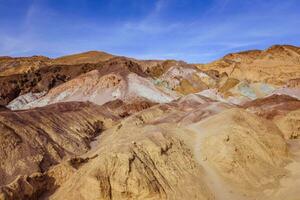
<point x="84" y="57"/>
<point x="278" y="48"/>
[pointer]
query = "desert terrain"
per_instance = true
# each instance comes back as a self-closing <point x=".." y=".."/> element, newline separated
<point x="94" y="125"/>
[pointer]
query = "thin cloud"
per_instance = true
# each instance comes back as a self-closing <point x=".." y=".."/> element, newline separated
<point x="222" y="27"/>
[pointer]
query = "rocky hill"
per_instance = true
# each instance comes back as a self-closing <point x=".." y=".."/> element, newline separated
<point x="277" y="65"/>
<point x="86" y="57"/>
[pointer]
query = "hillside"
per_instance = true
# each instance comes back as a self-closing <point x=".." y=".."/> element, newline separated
<point x="277" y="65"/>
<point x="85" y="57"/>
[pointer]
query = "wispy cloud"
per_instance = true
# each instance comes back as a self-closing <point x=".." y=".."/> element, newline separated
<point x="152" y="22"/>
<point x="164" y="31"/>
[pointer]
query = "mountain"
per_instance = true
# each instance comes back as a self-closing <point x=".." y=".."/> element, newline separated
<point x="99" y="126"/>
<point x="118" y="78"/>
<point x="85" y="57"/>
<point x="277" y="65"/>
<point x="20" y="65"/>
<point x="40" y="80"/>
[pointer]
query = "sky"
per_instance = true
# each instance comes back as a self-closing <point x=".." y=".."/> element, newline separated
<point x="197" y="31"/>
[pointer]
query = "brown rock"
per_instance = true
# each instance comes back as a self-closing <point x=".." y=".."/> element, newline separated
<point x="33" y="140"/>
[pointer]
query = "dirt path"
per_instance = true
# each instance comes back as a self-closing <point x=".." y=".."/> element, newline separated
<point x="221" y="189"/>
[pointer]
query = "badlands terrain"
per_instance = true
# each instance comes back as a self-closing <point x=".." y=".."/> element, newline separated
<point x="99" y="126"/>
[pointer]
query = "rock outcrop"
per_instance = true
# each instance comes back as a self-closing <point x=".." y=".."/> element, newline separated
<point x="276" y="65"/>
<point x="289" y="124"/>
<point x="33" y="140"/>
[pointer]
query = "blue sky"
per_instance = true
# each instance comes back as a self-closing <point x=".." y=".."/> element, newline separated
<point x="191" y="30"/>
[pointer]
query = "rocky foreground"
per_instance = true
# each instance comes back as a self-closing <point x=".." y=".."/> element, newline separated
<point x="99" y="126"/>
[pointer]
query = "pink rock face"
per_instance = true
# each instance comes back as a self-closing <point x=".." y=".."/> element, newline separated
<point x="293" y="92"/>
<point x="87" y="87"/>
<point x="274" y="105"/>
<point x="100" y="89"/>
<point x="190" y="109"/>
